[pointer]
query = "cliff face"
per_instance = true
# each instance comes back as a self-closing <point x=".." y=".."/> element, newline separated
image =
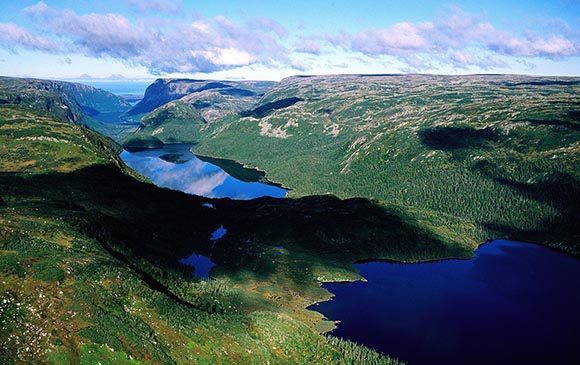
<point x="163" y="91"/>
<point x="43" y="95"/>
<point x="175" y="110"/>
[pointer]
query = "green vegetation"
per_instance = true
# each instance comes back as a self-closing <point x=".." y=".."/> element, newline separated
<point x="139" y="143"/>
<point x="498" y="152"/>
<point x="174" y="122"/>
<point x="89" y="257"/>
<point x="77" y="103"/>
<point x="424" y="167"/>
<point x="175" y="110"/>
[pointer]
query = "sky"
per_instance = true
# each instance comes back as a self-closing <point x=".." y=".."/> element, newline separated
<point x="273" y="39"/>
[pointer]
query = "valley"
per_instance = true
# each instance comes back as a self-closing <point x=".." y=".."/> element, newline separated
<point x="405" y="168"/>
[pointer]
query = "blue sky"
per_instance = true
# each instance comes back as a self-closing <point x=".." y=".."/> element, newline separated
<point x="261" y="39"/>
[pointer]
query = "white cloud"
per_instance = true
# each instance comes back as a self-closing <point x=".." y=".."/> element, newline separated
<point x="400" y="38"/>
<point x="156" y="6"/>
<point x="216" y="45"/>
<point x="12" y="35"/>
<point x="308" y="46"/>
<point x="206" y="45"/>
<point x="453" y="38"/>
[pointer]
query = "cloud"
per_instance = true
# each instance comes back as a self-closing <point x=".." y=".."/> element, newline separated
<point x="205" y="45"/>
<point x="556" y="46"/>
<point x="308" y="46"/>
<point x="13" y="35"/>
<point x="453" y="38"/>
<point x="156" y="6"/>
<point x="189" y="177"/>
<point x="268" y="25"/>
<point x="162" y="45"/>
<point x="95" y="35"/>
<point x="400" y="38"/>
<point x="464" y="60"/>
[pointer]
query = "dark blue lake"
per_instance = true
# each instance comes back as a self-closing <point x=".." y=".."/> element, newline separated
<point x="175" y="167"/>
<point x="513" y="303"/>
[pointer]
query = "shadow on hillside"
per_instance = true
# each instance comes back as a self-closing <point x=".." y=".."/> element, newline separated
<point x="559" y="190"/>
<point x="163" y="226"/>
<point x="453" y="138"/>
<point x="569" y="124"/>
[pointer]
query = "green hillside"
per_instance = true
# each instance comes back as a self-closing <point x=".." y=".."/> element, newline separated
<point x="89" y="267"/>
<point x="502" y="152"/>
<point x="76" y="103"/>
<point x="174" y="122"/>
<point x="405" y="168"/>
<point x="175" y="110"/>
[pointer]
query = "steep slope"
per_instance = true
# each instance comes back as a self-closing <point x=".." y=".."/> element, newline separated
<point x="502" y="152"/>
<point x="89" y="267"/>
<point x="175" y="110"/>
<point x="163" y="91"/>
<point x="76" y="103"/>
<point x="174" y="122"/>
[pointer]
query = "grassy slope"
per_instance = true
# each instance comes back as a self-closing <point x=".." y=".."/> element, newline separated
<point x="89" y="272"/>
<point x="174" y="122"/>
<point x="501" y="152"/>
<point x="77" y="103"/>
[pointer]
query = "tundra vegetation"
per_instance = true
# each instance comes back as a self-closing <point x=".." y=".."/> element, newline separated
<point x="406" y="168"/>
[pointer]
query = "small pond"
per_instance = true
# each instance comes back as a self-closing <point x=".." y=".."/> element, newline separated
<point x="175" y="167"/>
<point x="513" y="303"/>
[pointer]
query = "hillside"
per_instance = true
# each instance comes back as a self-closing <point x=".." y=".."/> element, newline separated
<point x="76" y="103"/>
<point x="174" y="122"/>
<point x="502" y="152"/>
<point x="200" y="93"/>
<point x="174" y="110"/>
<point x="89" y="255"/>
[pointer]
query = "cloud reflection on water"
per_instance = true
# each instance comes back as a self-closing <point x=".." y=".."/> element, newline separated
<point x="194" y="176"/>
<point x="189" y="177"/>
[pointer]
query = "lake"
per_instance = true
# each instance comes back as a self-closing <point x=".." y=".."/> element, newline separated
<point x="175" y="167"/>
<point x="513" y="303"/>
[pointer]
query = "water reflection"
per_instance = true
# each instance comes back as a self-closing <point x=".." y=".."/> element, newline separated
<point x="218" y="233"/>
<point x="201" y="264"/>
<point x="175" y="167"/>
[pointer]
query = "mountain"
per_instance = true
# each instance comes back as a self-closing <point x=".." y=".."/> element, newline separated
<point x="76" y="103"/>
<point x="174" y="122"/>
<point x="202" y="93"/>
<point x="90" y="271"/>
<point x="499" y="151"/>
<point x="175" y="110"/>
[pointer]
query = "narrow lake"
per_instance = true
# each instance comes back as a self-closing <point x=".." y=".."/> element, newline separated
<point x="513" y="303"/>
<point x="175" y="167"/>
